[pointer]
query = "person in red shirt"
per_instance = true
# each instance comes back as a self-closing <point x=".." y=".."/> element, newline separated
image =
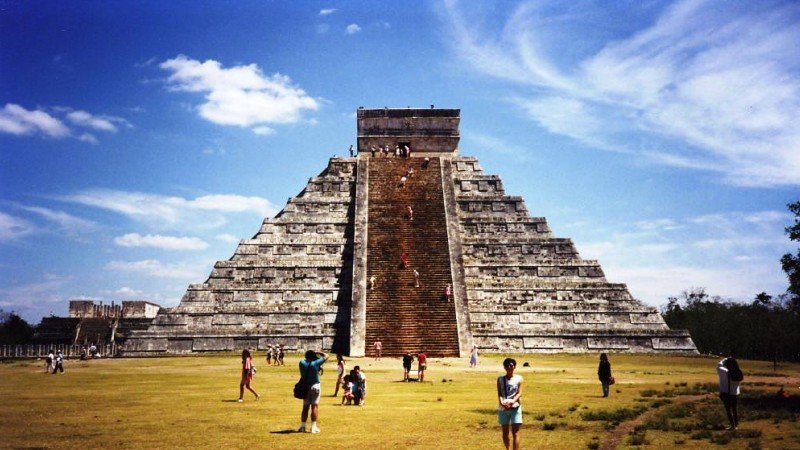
<point x="404" y="259"/>
<point x="422" y="359"/>
<point x="247" y="375"/>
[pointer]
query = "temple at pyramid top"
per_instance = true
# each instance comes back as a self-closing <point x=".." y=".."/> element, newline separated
<point x="415" y="253"/>
<point x="424" y="131"/>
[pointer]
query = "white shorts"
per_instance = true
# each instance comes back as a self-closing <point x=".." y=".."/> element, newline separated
<point x="313" y="395"/>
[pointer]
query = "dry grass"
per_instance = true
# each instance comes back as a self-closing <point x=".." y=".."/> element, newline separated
<point x="188" y="402"/>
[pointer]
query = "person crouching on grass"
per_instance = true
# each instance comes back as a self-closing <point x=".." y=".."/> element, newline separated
<point x="509" y="392"/>
<point x="247" y="375"/>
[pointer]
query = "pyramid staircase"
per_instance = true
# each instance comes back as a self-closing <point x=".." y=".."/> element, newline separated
<point x="400" y="315"/>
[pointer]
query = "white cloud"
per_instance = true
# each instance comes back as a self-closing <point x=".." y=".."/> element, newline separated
<point x="657" y="224"/>
<point x="88" y="137"/>
<point x="327" y="12"/>
<point x="323" y="28"/>
<point x="240" y="95"/>
<point x="154" y="268"/>
<point x="494" y="144"/>
<point x="161" y="211"/>
<point x="229" y="238"/>
<point x="128" y="292"/>
<point x="352" y="29"/>
<point x="67" y="223"/>
<point x="100" y="123"/>
<point x="159" y="241"/>
<point x="13" y="228"/>
<point x="708" y="88"/>
<point x="15" y="119"/>
<point x="263" y="131"/>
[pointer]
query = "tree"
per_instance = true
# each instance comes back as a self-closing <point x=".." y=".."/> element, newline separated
<point x="791" y="263"/>
<point x="14" y="329"/>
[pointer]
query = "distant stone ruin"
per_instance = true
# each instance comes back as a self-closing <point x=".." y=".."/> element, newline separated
<point x="335" y="268"/>
<point x="96" y="323"/>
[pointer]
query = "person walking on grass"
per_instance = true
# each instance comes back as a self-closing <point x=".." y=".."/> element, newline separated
<point x="49" y="361"/>
<point x="378" y="350"/>
<point x="339" y="374"/>
<point x="604" y="373"/>
<point x="509" y="392"/>
<point x="730" y="375"/>
<point x="247" y="375"/>
<point x="59" y="363"/>
<point x="309" y="371"/>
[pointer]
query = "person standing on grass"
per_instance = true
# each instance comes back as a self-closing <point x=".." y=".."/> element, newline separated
<point x="309" y="370"/>
<point x="422" y="359"/>
<point x="378" y="350"/>
<point x="473" y="356"/>
<point x="339" y="373"/>
<point x="509" y="392"/>
<point x="281" y="354"/>
<point x="247" y="375"/>
<point x="604" y="373"/>
<point x="49" y="361"/>
<point x="730" y="375"/>
<point x="407" y="360"/>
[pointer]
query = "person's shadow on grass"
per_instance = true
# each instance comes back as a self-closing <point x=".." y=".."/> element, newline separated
<point x="283" y="432"/>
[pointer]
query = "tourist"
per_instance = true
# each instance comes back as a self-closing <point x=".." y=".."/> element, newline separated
<point x="247" y="375"/>
<point x="403" y="180"/>
<point x="407" y="360"/>
<point x="371" y="284"/>
<point x="410" y="172"/>
<point x="93" y="351"/>
<point x="349" y="388"/>
<point x="422" y="359"/>
<point x="410" y="213"/>
<point x="604" y="373"/>
<point x="269" y="355"/>
<point x="372" y="151"/>
<point x="59" y="363"/>
<point x="404" y="260"/>
<point x="378" y="349"/>
<point x="361" y="385"/>
<point x="426" y="162"/>
<point x="407" y="151"/>
<point x="397" y="151"/>
<point x="309" y="371"/>
<point x="49" y="362"/>
<point x="448" y="292"/>
<point x="339" y="374"/>
<point x="473" y="356"/>
<point x="416" y="278"/>
<point x="281" y="354"/>
<point x="83" y="353"/>
<point x="730" y="375"/>
<point x="351" y="150"/>
<point x="509" y="392"/>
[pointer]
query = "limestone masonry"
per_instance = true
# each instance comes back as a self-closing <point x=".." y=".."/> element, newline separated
<point x="335" y="268"/>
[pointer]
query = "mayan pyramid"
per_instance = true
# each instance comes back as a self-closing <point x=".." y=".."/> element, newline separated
<point x="328" y="271"/>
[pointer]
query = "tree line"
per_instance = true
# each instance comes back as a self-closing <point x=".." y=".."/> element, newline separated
<point x="766" y="328"/>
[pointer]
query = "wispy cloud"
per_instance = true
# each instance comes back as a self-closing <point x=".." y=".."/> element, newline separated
<point x="229" y="238"/>
<point x="13" y="228"/>
<point x="710" y="88"/>
<point x="240" y="95"/>
<point x="155" y="268"/>
<point x="162" y="242"/>
<point x="733" y="254"/>
<point x="66" y="223"/>
<point x="99" y="123"/>
<point x="352" y="29"/>
<point x="495" y="144"/>
<point x="161" y="211"/>
<point x="327" y="12"/>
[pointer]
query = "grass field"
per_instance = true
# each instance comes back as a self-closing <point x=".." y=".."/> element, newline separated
<point x="658" y="402"/>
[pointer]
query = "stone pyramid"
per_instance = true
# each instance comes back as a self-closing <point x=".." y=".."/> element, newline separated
<point x="335" y="269"/>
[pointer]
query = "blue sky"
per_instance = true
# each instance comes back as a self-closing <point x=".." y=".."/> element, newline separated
<point x="140" y="141"/>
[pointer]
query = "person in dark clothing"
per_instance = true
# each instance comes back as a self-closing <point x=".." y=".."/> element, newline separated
<point x="59" y="363"/>
<point x="604" y="373"/>
<point x="407" y="360"/>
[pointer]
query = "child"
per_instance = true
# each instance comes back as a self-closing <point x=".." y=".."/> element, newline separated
<point x="348" y="390"/>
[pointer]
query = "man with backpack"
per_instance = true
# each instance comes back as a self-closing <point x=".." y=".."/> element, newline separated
<point x="309" y="378"/>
